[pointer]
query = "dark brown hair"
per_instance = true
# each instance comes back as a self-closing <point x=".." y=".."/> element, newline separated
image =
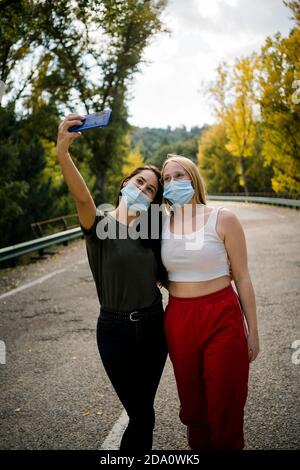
<point x="154" y="244"/>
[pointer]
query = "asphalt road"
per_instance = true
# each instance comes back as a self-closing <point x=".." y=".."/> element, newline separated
<point x="54" y="393"/>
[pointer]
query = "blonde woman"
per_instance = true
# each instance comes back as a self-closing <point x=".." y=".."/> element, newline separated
<point x="211" y="330"/>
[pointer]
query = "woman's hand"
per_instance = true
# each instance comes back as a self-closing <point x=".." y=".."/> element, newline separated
<point x="253" y="345"/>
<point x="64" y="137"/>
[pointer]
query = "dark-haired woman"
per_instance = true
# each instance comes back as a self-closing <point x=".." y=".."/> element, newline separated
<point x="127" y="271"/>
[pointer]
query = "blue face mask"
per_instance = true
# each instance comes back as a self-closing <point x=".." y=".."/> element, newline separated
<point x="179" y="192"/>
<point x="135" y="199"/>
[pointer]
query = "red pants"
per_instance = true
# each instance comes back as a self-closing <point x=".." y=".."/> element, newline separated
<point x="207" y="342"/>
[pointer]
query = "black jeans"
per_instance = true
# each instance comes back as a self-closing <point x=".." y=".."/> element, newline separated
<point x="134" y="352"/>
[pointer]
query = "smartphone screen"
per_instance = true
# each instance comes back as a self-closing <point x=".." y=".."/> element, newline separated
<point x="93" y="120"/>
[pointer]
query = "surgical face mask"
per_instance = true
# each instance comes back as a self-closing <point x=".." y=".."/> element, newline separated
<point x="134" y="198"/>
<point x="179" y="192"/>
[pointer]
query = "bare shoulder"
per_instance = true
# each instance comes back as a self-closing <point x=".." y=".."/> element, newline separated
<point x="227" y="222"/>
<point x="227" y="215"/>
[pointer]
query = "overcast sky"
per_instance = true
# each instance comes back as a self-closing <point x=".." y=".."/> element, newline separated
<point x="167" y="91"/>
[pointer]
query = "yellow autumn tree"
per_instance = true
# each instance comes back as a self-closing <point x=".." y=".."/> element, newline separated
<point x="239" y="118"/>
<point x="258" y="103"/>
<point x="233" y="92"/>
<point x="280" y="106"/>
<point x="134" y="159"/>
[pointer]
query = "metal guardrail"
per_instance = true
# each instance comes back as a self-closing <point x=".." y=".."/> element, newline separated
<point x="40" y="228"/>
<point x="294" y="203"/>
<point x="14" y="251"/>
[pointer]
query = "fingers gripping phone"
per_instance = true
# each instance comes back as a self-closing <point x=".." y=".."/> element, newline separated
<point x="92" y="120"/>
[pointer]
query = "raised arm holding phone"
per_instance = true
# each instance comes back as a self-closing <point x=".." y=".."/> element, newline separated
<point x="85" y="205"/>
<point x="126" y="271"/>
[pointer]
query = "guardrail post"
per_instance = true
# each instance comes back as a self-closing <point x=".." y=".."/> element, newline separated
<point x="66" y="227"/>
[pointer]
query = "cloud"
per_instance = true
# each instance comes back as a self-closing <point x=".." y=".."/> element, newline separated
<point x="227" y="16"/>
<point x="203" y="33"/>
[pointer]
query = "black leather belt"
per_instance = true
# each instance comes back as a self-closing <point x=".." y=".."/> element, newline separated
<point x="134" y="315"/>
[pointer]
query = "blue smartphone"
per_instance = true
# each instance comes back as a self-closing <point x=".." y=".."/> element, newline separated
<point x="93" y="120"/>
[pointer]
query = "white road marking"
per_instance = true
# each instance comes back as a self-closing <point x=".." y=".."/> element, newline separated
<point x="38" y="281"/>
<point x="113" y="439"/>
<point x="112" y="442"/>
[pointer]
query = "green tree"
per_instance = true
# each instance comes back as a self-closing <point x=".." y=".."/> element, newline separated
<point x="219" y="166"/>
<point x="216" y="163"/>
<point x="66" y="56"/>
<point x="21" y="159"/>
<point x="188" y="148"/>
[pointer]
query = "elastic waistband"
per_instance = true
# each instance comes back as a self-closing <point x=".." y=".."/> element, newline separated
<point x="217" y="295"/>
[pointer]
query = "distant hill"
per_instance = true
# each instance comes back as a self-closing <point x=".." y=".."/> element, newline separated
<point x="156" y="143"/>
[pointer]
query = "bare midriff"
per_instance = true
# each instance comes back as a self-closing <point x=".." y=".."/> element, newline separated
<point x="196" y="289"/>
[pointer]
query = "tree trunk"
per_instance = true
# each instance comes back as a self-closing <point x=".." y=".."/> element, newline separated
<point x="244" y="176"/>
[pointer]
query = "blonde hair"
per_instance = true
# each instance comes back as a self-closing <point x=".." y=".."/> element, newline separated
<point x="194" y="173"/>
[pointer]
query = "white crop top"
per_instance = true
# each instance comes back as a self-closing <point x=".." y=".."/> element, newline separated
<point x="196" y="256"/>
